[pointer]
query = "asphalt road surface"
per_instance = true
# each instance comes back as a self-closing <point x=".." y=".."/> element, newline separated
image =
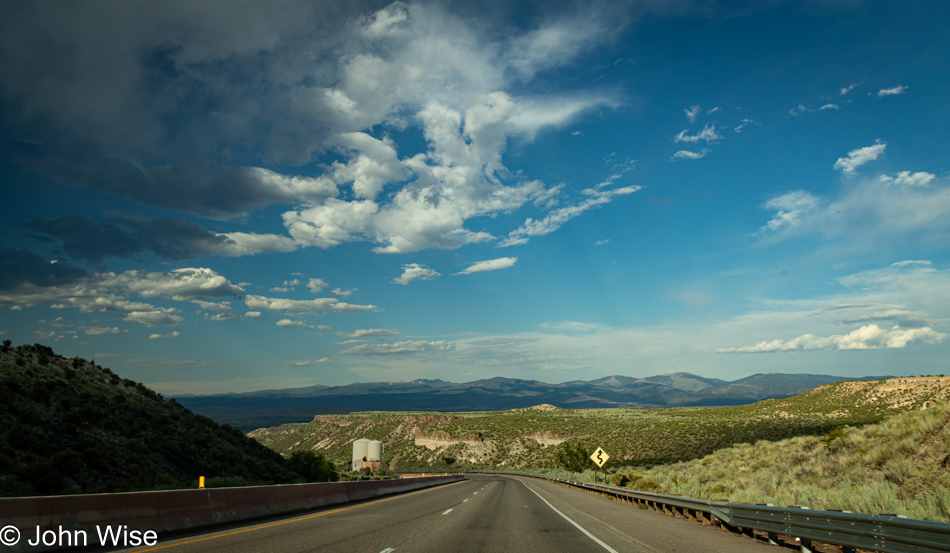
<point x="482" y="514"/>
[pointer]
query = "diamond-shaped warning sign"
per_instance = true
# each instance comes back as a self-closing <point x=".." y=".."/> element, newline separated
<point x="600" y="457"/>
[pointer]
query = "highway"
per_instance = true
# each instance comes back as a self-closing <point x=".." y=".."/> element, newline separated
<point x="481" y="514"/>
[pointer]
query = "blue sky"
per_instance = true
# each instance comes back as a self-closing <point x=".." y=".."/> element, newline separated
<point x="210" y="199"/>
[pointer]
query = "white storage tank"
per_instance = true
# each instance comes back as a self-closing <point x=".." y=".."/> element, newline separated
<point x="360" y="450"/>
<point x="374" y="451"/>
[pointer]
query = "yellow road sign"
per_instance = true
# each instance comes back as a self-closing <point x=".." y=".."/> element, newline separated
<point x="600" y="457"/>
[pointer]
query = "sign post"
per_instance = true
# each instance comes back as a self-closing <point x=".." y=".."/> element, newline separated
<point x="600" y="457"/>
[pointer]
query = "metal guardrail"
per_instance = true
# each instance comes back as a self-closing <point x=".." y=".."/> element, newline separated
<point x="887" y="533"/>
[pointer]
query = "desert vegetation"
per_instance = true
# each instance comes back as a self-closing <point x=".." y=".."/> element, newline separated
<point x="538" y="438"/>
<point x="900" y="465"/>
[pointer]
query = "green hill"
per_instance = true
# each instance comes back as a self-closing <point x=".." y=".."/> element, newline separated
<point x="531" y="438"/>
<point x="70" y="426"/>
<point x="898" y="466"/>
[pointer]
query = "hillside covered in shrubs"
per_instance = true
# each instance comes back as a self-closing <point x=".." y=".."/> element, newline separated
<point x="71" y="426"/>
<point x="900" y="465"/>
<point x="542" y="437"/>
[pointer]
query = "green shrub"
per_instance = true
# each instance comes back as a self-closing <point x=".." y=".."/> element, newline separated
<point x="312" y="466"/>
<point x="227" y="482"/>
<point x="619" y="479"/>
<point x="646" y="485"/>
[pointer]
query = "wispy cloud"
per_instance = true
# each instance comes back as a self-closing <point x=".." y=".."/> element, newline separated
<point x="308" y="362"/>
<point x="408" y="347"/>
<point x="692" y="113"/>
<point x="829" y="106"/>
<point x="893" y="91"/>
<point x="790" y="208"/>
<point x="290" y="323"/>
<point x="100" y="330"/>
<point x="489" y="265"/>
<point x="318" y="305"/>
<point x="708" y="134"/>
<point x="743" y="124"/>
<point x="850" y="87"/>
<point x="689" y="154"/>
<point x="174" y="334"/>
<point x="556" y="218"/>
<point x="370" y="333"/>
<point x="867" y="215"/>
<point x="800" y="109"/>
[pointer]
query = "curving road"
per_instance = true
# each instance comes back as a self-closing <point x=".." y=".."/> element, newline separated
<point x="481" y="514"/>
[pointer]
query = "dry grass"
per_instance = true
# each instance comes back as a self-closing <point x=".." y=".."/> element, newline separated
<point x="898" y="466"/>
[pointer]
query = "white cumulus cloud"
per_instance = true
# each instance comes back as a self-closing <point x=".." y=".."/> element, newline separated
<point x="907" y="178"/>
<point x="415" y="271"/>
<point x="154" y="317"/>
<point x="316" y="285"/>
<point x="859" y="156"/>
<point x="867" y="337"/>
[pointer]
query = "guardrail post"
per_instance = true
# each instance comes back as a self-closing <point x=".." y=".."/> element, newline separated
<point x="773" y="540"/>
<point x="704" y="518"/>
<point x="806" y="546"/>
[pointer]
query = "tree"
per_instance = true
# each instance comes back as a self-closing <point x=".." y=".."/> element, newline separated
<point x="574" y="457"/>
<point x="314" y="467"/>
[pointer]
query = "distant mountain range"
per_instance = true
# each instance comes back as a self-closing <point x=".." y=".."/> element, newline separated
<point x="251" y="410"/>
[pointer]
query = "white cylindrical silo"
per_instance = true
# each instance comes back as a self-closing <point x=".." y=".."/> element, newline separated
<point x="374" y="450"/>
<point x="359" y="452"/>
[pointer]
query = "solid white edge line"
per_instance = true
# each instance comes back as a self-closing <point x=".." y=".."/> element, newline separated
<point x="447" y="512"/>
<point x="387" y="550"/>
<point x="578" y="526"/>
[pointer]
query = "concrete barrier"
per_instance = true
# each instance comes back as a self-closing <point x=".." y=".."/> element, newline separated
<point x="168" y="511"/>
